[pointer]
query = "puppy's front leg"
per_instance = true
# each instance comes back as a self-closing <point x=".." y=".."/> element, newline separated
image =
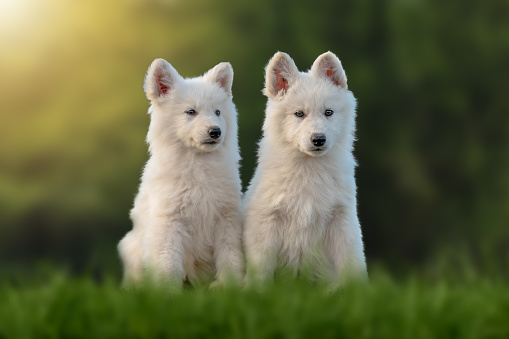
<point x="131" y="253"/>
<point x="164" y="251"/>
<point x="344" y="248"/>
<point x="228" y="248"/>
<point x="261" y="244"/>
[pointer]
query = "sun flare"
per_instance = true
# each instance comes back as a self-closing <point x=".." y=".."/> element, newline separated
<point x="15" y="14"/>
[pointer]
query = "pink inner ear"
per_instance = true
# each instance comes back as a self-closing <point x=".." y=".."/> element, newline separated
<point x="163" y="89"/>
<point x="222" y="81"/>
<point x="330" y="75"/>
<point x="282" y="83"/>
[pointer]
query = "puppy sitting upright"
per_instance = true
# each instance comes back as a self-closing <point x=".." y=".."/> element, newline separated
<point x="186" y="214"/>
<point x="300" y="209"/>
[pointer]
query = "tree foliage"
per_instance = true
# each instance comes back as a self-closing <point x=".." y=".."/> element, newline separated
<point x="430" y="78"/>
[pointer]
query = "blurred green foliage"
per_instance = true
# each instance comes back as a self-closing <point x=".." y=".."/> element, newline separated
<point x="433" y="123"/>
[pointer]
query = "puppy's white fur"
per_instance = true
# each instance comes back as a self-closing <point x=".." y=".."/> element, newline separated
<point x="186" y="215"/>
<point x="300" y="210"/>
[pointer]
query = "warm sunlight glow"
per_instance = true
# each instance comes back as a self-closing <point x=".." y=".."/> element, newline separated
<point x="13" y="13"/>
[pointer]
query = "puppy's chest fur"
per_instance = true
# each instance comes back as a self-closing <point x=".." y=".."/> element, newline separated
<point x="302" y="210"/>
<point x="191" y="195"/>
<point x="304" y="201"/>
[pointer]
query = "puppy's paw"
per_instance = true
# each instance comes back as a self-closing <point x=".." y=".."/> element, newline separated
<point x="333" y="288"/>
<point x="216" y="285"/>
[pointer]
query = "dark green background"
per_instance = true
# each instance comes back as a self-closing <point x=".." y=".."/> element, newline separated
<point x="431" y="78"/>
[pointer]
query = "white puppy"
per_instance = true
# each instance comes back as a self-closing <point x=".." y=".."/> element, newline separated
<point x="300" y="209"/>
<point x="186" y="215"/>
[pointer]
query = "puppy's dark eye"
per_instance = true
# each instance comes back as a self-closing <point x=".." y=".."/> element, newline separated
<point x="218" y="112"/>
<point x="328" y="112"/>
<point x="191" y="112"/>
<point x="300" y="114"/>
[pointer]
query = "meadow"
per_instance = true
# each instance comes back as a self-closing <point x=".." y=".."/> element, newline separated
<point x="56" y="305"/>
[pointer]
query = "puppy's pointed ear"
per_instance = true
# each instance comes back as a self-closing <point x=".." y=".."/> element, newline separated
<point x="280" y="75"/>
<point x="329" y="67"/>
<point x="161" y="78"/>
<point x="222" y="74"/>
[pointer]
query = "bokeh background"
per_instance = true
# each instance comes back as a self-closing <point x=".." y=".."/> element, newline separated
<point x="431" y="78"/>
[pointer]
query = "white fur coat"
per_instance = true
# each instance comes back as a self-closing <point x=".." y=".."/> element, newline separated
<point x="186" y="215"/>
<point x="300" y="210"/>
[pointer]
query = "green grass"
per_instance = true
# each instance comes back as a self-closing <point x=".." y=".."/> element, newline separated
<point x="412" y="307"/>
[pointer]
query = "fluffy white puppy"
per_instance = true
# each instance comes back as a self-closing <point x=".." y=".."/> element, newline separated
<point x="300" y="209"/>
<point x="186" y="214"/>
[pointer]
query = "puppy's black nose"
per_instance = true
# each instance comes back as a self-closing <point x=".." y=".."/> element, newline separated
<point x="318" y="139"/>
<point x="214" y="132"/>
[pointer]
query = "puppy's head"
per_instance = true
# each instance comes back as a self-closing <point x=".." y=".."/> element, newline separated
<point x="195" y="112"/>
<point x="310" y="111"/>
